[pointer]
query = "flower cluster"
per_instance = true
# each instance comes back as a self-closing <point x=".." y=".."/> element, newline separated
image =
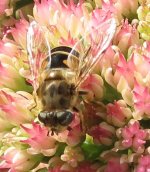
<point x="110" y="130"/>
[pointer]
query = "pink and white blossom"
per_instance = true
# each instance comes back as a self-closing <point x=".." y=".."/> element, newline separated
<point x="39" y="140"/>
<point x="15" y="160"/>
<point x="110" y="127"/>
<point x="134" y="137"/>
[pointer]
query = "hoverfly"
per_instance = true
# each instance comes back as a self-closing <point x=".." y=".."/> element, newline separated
<point x="57" y="73"/>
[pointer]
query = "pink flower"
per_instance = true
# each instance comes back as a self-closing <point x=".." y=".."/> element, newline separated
<point x="8" y="48"/>
<point x="125" y="69"/>
<point x="19" y="32"/>
<point x="126" y="36"/>
<point x="107" y="65"/>
<point x="40" y="9"/>
<point x="142" y="62"/>
<point x="11" y="78"/>
<point x="39" y="140"/>
<point x="114" y="165"/>
<point x="14" y="108"/>
<point x="8" y="74"/>
<point x="118" y="113"/>
<point x="108" y="60"/>
<point x="93" y="84"/>
<point x="4" y="5"/>
<point x="75" y="135"/>
<point x="102" y="133"/>
<point x="15" y="160"/>
<point x="100" y="15"/>
<point x="134" y="137"/>
<point x="141" y="99"/>
<point x="68" y="41"/>
<point x="56" y="12"/>
<point x="121" y="77"/>
<point x="144" y="164"/>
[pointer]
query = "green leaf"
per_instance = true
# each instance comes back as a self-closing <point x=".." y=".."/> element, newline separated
<point x="92" y="151"/>
<point x="110" y="94"/>
<point x="60" y="149"/>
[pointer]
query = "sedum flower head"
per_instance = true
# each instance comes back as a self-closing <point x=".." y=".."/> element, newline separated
<point x="18" y="160"/>
<point x="39" y="140"/>
<point x="133" y="136"/>
<point x="144" y="164"/>
<point x="126" y="36"/>
<point x="118" y="113"/>
<point x="110" y="128"/>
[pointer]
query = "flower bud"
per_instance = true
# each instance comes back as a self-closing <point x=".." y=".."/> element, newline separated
<point x="141" y="100"/>
<point x="39" y="140"/>
<point x="18" y="160"/>
<point x="19" y="32"/>
<point x="102" y="133"/>
<point x="144" y="26"/>
<point x="93" y="84"/>
<point x="14" y="108"/>
<point x="11" y="78"/>
<point x="126" y="36"/>
<point x="133" y="136"/>
<point x="118" y="113"/>
<point x="144" y="164"/>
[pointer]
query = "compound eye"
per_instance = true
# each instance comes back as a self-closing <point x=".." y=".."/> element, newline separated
<point x="65" y="118"/>
<point x="48" y="118"/>
<point x="42" y="117"/>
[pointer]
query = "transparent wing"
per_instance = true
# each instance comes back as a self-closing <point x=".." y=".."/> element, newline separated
<point x="91" y="47"/>
<point x="39" y="53"/>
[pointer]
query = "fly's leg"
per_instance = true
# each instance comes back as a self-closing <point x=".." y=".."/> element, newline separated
<point x="36" y="107"/>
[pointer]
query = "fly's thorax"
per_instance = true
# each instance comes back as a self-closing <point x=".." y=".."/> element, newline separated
<point x="57" y="91"/>
<point x="59" y="74"/>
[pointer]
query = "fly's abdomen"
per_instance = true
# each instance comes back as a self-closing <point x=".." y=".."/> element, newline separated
<point x="57" y="95"/>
